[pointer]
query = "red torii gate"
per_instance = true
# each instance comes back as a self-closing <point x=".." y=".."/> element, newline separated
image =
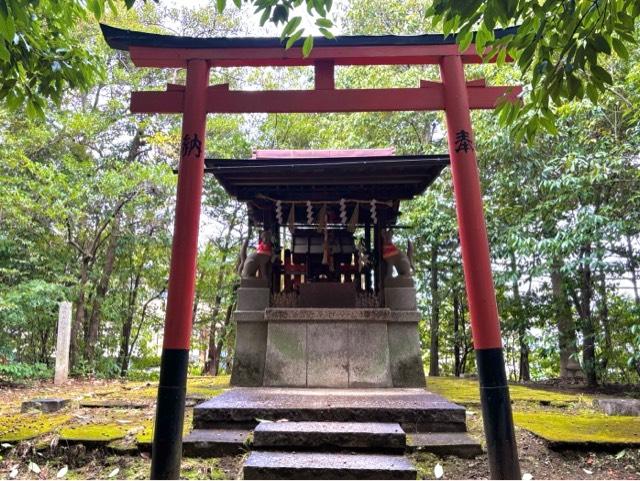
<point x="197" y="98"/>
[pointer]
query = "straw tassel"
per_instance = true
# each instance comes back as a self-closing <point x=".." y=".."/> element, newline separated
<point x="291" y="221"/>
<point x="322" y="218"/>
<point x="353" y="221"/>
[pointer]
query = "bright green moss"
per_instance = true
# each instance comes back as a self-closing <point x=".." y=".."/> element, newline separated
<point x="20" y="427"/>
<point x="94" y="433"/>
<point x="466" y="391"/>
<point x="580" y="428"/>
<point x="144" y="437"/>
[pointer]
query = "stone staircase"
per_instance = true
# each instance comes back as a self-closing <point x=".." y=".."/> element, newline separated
<point x="328" y="433"/>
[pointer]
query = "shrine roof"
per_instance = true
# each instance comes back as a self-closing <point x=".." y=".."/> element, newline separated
<point x="123" y="39"/>
<point x="364" y="177"/>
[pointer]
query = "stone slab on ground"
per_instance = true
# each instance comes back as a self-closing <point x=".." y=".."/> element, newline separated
<point x="618" y="407"/>
<point x="207" y="443"/>
<point x="46" y="405"/>
<point x="279" y="465"/>
<point x="389" y="436"/>
<point x="443" y="444"/>
<point x="414" y="409"/>
<point x="113" y="404"/>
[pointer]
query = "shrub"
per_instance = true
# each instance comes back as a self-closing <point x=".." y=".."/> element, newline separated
<point x="16" y="371"/>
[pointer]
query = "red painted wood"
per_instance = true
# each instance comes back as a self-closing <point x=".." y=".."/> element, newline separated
<point x="184" y="251"/>
<point x="324" y="75"/>
<point x="261" y="57"/>
<point x="474" y="244"/>
<point x="220" y="100"/>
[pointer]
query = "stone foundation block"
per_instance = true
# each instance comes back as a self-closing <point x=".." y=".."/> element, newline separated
<point x="248" y="360"/>
<point x="400" y="298"/>
<point x="405" y="355"/>
<point x="327" y="355"/>
<point x="369" y="355"/>
<point x="253" y="298"/>
<point x="286" y="359"/>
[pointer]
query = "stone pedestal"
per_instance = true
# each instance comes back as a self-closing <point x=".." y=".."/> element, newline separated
<point x="251" y="336"/>
<point x="327" y="347"/>
<point x="62" y="343"/>
<point x="404" y="339"/>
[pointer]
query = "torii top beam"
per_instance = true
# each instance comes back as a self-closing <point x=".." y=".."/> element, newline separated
<point x="166" y="51"/>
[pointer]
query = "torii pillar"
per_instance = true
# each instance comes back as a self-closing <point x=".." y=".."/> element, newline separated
<point x="167" y="436"/>
<point x="476" y="262"/>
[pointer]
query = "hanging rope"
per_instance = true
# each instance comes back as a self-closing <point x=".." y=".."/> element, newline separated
<point x="343" y="211"/>
<point x="374" y="214"/>
<point x="388" y="203"/>
<point x="279" y="212"/>
<point x="309" y="213"/>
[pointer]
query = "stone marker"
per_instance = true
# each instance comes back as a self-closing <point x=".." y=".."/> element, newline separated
<point x="619" y="407"/>
<point x="62" y="344"/>
<point x="47" y="405"/>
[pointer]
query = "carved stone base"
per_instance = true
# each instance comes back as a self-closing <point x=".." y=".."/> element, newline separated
<point x="399" y="281"/>
<point x="254" y="282"/>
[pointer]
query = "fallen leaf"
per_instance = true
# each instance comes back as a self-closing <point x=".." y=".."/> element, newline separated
<point x="527" y="477"/>
<point x="7" y="445"/>
<point x="113" y="473"/>
<point x="587" y="471"/>
<point x="438" y="471"/>
<point x="34" y="467"/>
<point x="618" y="456"/>
<point x="63" y="472"/>
<point x="13" y="473"/>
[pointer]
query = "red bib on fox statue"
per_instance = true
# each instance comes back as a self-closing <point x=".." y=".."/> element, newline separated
<point x="260" y="260"/>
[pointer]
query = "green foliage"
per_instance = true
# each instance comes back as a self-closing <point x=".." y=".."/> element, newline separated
<point x="562" y="49"/>
<point x="18" y="371"/>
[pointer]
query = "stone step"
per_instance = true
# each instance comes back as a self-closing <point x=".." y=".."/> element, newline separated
<point x="455" y="444"/>
<point x="314" y="434"/>
<point x="208" y="443"/>
<point x="281" y="465"/>
<point x="415" y="410"/>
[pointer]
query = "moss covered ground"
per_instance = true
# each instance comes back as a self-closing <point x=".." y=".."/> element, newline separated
<point x="94" y="442"/>
<point x="584" y="427"/>
<point x="466" y="391"/>
<point x="19" y="427"/>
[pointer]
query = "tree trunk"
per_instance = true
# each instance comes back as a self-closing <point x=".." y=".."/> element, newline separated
<point x="588" y="327"/>
<point x="604" y="320"/>
<point x="522" y="323"/>
<point x="434" y="367"/>
<point x="125" y="339"/>
<point x="215" y="360"/>
<point x="127" y="325"/>
<point x="93" y="328"/>
<point x="78" y="321"/>
<point x="567" y="340"/>
<point x="632" y="267"/>
<point x="212" y="361"/>
<point x="456" y="334"/>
